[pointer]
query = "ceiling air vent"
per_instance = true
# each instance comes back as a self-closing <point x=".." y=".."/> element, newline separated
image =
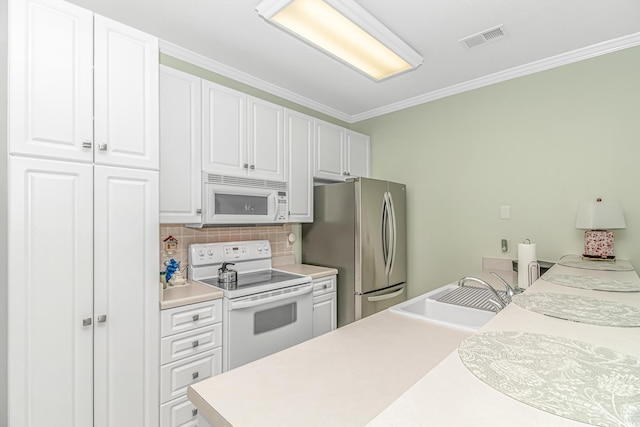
<point x="486" y="36"/>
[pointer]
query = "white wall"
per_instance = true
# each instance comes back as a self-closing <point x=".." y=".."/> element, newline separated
<point x="540" y="144"/>
<point x="3" y="214"/>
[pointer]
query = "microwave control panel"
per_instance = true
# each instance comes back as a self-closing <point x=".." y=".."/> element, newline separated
<point x="282" y="208"/>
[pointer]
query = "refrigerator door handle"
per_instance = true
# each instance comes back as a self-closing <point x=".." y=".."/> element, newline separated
<point x="392" y="228"/>
<point x="386" y="234"/>
<point x="385" y="296"/>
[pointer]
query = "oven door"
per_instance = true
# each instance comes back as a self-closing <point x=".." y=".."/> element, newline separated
<point x="262" y="324"/>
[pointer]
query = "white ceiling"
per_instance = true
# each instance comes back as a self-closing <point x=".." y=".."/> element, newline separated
<point x="542" y="34"/>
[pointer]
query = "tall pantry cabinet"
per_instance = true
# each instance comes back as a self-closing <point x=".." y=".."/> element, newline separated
<point x="82" y="191"/>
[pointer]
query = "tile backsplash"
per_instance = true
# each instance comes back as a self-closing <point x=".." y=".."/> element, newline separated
<point x="277" y="236"/>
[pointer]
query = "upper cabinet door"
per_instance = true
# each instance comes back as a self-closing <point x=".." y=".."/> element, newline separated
<point x="224" y="136"/>
<point x="266" y="153"/>
<point x="126" y="96"/>
<point x="357" y="154"/>
<point x="51" y="90"/>
<point x="299" y="142"/>
<point x="180" y="142"/>
<point x="329" y="158"/>
<point x="50" y="333"/>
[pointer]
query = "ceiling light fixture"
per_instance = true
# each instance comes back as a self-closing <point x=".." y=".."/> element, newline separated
<point x="346" y="31"/>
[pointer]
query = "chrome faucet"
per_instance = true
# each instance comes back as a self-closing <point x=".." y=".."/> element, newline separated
<point x="498" y="301"/>
<point x="511" y="291"/>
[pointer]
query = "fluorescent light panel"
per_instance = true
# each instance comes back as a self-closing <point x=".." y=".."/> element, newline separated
<point x="346" y="31"/>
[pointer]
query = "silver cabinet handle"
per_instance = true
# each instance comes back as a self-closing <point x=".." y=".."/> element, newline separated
<point x="196" y="317"/>
<point x="102" y="147"/>
<point x="252" y="167"/>
<point x="194" y="344"/>
<point x="194" y="412"/>
<point x="195" y="375"/>
<point x="198" y="211"/>
<point x="86" y="322"/>
<point x="102" y="318"/>
<point x="246" y="165"/>
<point x="86" y="144"/>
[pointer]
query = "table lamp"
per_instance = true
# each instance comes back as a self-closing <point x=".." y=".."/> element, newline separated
<point x="597" y="218"/>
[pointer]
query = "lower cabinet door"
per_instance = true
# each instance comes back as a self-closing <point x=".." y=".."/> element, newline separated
<point x="178" y="413"/>
<point x="126" y="297"/>
<point x="177" y="376"/>
<point x="324" y="313"/>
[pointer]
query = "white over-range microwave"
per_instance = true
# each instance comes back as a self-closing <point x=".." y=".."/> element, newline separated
<point x="231" y="200"/>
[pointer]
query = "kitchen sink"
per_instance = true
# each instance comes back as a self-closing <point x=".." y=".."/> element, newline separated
<point x="427" y="307"/>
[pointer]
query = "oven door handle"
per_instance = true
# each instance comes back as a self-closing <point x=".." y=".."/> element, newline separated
<point x="302" y="290"/>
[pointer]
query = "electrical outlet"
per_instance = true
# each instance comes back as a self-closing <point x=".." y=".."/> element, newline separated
<point x="506" y="245"/>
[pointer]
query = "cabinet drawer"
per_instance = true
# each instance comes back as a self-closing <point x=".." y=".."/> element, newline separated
<point x="190" y="343"/>
<point x="177" y="376"/>
<point x="324" y="285"/>
<point x="181" y="319"/>
<point x="178" y="413"/>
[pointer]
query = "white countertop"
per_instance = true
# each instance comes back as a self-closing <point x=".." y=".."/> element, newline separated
<point x="314" y="271"/>
<point x="390" y="369"/>
<point x="450" y="395"/>
<point x="189" y="293"/>
<point x="343" y="378"/>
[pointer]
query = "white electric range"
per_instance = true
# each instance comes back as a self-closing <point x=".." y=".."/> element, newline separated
<point x="266" y="310"/>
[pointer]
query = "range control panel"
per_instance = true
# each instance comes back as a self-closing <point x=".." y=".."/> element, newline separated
<point x="215" y="253"/>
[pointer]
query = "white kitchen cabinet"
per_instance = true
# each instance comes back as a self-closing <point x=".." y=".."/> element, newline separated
<point x="325" y="305"/>
<point x="51" y="69"/>
<point x="340" y="153"/>
<point x="265" y="140"/>
<point x="299" y="136"/>
<point x="191" y="350"/>
<point x="241" y="135"/>
<point x="83" y="280"/>
<point x="357" y="157"/>
<point x="64" y="63"/>
<point x="50" y="293"/>
<point x="126" y="332"/>
<point x="180" y="146"/>
<point x="125" y="96"/>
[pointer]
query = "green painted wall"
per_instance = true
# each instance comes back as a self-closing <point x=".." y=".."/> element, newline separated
<point x="540" y="144"/>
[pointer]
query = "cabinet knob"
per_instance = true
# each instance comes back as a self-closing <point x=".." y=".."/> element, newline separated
<point x="198" y="211"/>
<point x="196" y="317"/>
<point x="102" y="318"/>
<point x="194" y="412"/>
<point x="246" y="166"/>
<point x="195" y="375"/>
<point x="102" y="147"/>
<point x="345" y="173"/>
<point x="86" y="322"/>
<point x="86" y="144"/>
<point x="252" y="167"/>
<point x="194" y="344"/>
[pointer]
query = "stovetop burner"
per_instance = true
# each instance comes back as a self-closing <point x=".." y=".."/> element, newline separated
<point x="252" y="261"/>
<point x="254" y="279"/>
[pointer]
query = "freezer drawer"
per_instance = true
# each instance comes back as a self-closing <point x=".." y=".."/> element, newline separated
<point x="373" y="302"/>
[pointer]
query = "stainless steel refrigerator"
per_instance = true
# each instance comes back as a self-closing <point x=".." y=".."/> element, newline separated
<point x="359" y="227"/>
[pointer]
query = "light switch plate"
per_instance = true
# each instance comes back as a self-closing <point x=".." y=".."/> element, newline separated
<point x="505" y="212"/>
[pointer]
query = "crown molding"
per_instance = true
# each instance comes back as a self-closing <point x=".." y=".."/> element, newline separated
<point x="577" y="55"/>
<point x="232" y="73"/>
<point x="520" y="71"/>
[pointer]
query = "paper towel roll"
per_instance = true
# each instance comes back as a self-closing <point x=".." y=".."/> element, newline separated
<point x="526" y="255"/>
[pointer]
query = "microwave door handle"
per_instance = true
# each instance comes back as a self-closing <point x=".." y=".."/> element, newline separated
<point x="236" y="305"/>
